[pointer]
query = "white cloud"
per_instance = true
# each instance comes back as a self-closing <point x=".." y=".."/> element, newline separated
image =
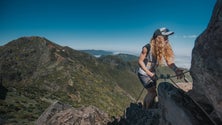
<point x="189" y="36"/>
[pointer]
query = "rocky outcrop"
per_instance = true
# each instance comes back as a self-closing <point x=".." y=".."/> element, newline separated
<point x="206" y="67"/>
<point x="62" y="114"/>
<point x="136" y="115"/>
<point x="177" y="108"/>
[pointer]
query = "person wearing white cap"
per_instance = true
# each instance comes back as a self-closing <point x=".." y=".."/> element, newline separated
<point x="153" y="54"/>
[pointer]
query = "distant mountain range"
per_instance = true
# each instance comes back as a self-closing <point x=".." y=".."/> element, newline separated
<point x="98" y="53"/>
<point x="101" y="53"/>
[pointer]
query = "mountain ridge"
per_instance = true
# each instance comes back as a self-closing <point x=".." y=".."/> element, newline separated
<point x="38" y="71"/>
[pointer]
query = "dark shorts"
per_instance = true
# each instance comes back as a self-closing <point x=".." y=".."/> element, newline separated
<point x="146" y="81"/>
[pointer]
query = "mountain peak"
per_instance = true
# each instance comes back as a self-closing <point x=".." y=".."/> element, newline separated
<point x="23" y="56"/>
<point x="31" y="41"/>
<point x="24" y="39"/>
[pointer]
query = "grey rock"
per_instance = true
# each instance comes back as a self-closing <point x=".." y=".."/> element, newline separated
<point x="206" y="65"/>
<point x="177" y="108"/>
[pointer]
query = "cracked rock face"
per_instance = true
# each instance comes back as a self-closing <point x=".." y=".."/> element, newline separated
<point x="206" y="65"/>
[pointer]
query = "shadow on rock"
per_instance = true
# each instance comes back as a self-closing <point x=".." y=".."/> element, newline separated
<point x="136" y="115"/>
<point x="3" y="91"/>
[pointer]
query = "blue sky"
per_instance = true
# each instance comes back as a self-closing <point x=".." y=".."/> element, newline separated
<point x="118" y="25"/>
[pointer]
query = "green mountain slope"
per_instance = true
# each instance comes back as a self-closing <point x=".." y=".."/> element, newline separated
<point x="36" y="72"/>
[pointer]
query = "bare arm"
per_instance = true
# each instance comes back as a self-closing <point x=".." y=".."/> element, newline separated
<point x="141" y="63"/>
<point x="172" y="65"/>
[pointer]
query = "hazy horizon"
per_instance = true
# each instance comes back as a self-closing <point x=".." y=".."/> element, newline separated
<point x="183" y="61"/>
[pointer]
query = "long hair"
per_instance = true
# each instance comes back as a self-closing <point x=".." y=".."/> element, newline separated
<point x="161" y="50"/>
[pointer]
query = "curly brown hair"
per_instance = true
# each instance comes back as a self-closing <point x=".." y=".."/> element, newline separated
<point x="161" y="49"/>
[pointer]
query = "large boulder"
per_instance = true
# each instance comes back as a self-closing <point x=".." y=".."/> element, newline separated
<point x="178" y="108"/>
<point x="206" y="65"/>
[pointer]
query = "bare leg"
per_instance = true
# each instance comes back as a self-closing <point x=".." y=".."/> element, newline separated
<point x="149" y="98"/>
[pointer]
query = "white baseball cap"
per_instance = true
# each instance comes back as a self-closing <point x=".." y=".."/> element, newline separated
<point x="163" y="32"/>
